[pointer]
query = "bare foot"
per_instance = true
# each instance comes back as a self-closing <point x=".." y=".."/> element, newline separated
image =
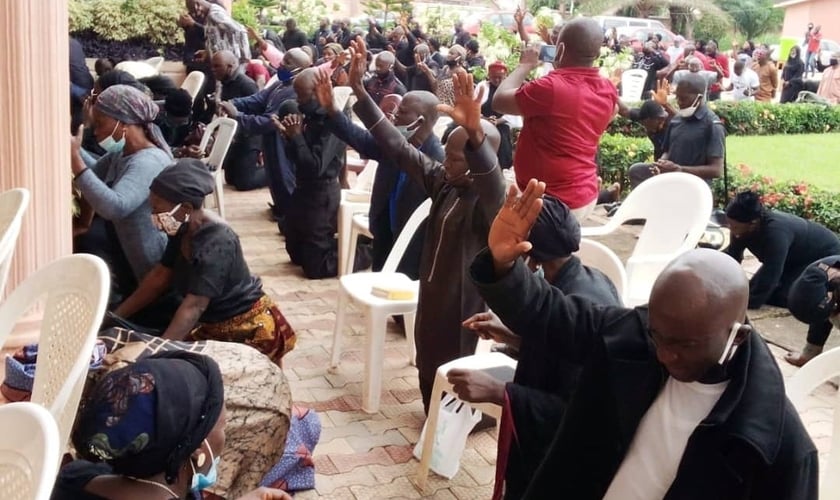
<point x="807" y="354"/>
<point x="615" y="192"/>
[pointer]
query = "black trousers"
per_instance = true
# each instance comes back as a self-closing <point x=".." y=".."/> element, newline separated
<point x="242" y="169"/>
<point x="311" y="224"/>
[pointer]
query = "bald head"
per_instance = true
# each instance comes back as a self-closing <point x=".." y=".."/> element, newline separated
<point x="223" y="65"/>
<point x="304" y="85"/>
<point x="694" y="304"/>
<point x="296" y="59"/>
<point x="384" y="63"/>
<point x="582" y="39"/>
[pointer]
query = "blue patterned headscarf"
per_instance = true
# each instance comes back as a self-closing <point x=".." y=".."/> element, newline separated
<point x="148" y="417"/>
<point x="130" y="106"/>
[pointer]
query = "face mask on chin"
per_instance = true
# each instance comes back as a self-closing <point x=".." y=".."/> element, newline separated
<point x="200" y="481"/>
<point x="166" y="221"/>
<point x="409" y="130"/>
<point x="689" y="111"/>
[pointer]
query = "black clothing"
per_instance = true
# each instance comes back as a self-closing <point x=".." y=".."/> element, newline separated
<point x="273" y="37"/>
<point x="376" y="41"/>
<point x="651" y="62"/>
<point x="175" y="134"/>
<point x="542" y="387"/>
<point x="405" y="50"/>
<point x="415" y="79"/>
<point x="79" y="72"/>
<point x="657" y="138"/>
<point x="193" y="42"/>
<point x="695" y="140"/>
<point x="462" y="37"/>
<point x="216" y="269"/>
<point x="751" y="446"/>
<point x="379" y="87"/>
<point x="458" y="224"/>
<point x="793" y="74"/>
<point x="311" y="221"/>
<point x="505" y="152"/>
<point x="476" y="61"/>
<point x="293" y="39"/>
<point x="785" y="245"/>
<point x="242" y="169"/>
<point x="394" y="198"/>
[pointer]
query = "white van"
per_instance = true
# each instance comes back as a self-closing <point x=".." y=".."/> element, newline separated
<point x="609" y="22"/>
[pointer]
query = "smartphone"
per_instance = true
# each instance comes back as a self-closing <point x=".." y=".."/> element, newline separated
<point x="548" y="53"/>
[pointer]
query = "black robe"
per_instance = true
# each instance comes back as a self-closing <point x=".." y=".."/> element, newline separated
<point x="457" y="229"/>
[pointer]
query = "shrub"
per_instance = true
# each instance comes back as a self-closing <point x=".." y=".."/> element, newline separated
<point x="757" y="118"/>
<point x="795" y="197"/>
<point x="617" y="153"/>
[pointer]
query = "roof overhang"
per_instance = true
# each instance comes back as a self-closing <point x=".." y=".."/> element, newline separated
<point x="789" y="3"/>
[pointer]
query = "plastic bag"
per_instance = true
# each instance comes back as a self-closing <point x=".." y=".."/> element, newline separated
<point x="455" y="421"/>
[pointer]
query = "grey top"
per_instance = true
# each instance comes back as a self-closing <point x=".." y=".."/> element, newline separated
<point x="117" y="187"/>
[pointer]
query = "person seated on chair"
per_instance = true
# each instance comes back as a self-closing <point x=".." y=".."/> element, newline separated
<point x="695" y="140"/>
<point x="496" y="73"/>
<point x="204" y="263"/>
<point x="815" y="299"/>
<point x="242" y="162"/>
<point x="395" y="194"/>
<point x="678" y="399"/>
<point x="466" y="189"/>
<point x="785" y="245"/>
<point x="116" y="187"/>
<point x="829" y="88"/>
<point x="318" y="156"/>
<point x="154" y="429"/>
<point x="542" y="386"/>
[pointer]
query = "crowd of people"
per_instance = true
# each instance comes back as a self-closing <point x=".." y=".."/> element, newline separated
<point x="680" y="398"/>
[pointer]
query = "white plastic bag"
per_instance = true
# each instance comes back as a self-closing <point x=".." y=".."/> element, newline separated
<point x="455" y="421"/>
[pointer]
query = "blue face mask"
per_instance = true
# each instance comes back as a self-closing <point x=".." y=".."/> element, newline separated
<point x="200" y="481"/>
<point x="110" y="145"/>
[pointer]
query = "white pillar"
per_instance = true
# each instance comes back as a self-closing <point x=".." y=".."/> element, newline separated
<point x="35" y="128"/>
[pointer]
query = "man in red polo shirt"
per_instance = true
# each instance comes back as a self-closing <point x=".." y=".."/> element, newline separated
<point x="565" y="113"/>
<point x="719" y="64"/>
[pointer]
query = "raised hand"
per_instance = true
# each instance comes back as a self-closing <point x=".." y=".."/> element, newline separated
<point x="663" y="90"/>
<point x="467" y="109"/>
<point x="519" y="16"/>
<point x="358" y="63"/>
<point x="508" y="237"/>
<point x="324" y="92"/>
<point x="530" y="56"/>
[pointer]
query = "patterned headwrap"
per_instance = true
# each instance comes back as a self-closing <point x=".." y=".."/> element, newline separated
<point x="335" y="47"/>
<point x="149" y="417"/>
<point x="132" y="107"/>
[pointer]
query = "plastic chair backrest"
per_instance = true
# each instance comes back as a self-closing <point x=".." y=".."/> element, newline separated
<point x="821" y="369"/>
<point x="226" y="128"/>
<point x="30" y="451"/>
<point x="193" y="83"/>
<point x="13" y="204"/>
<point x="599" y="256"/>
<point x="76" y="290"/>
<point x="364" y="181"/>
<point x="155" y="62"/>
<point x="419" y="215"/>
<point x="633" y="84"/>
<point x="340" y="97"/>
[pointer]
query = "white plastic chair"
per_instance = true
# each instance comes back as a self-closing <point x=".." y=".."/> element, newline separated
<point x="359" y="226"/>
<point x="340" y="96"/>
<point x="598" y="256"/>
<point x="353" y="201"/>
<point x="676" y="208"/>
<point x="225" y="130"/>
<point x="633" y="84"/>
<point x="76" y="290"/>
<point x="193" y="83"/>
<point x="137" y="69"/>
<point x="155" y="62"/>
<point x="357" y="287"/>
<point x="13" y="204"/>
<point x="30" y="451"/>
<point x="441" y="385"/>
<point x="821" y="369"/>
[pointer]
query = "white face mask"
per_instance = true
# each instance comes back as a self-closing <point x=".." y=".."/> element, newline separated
<point x="166" y="221"/>
<point x="727" y="354"/>
<point x="113" y="146"/>
<point x="409" y="130"/>
<point x="689" y="111"/>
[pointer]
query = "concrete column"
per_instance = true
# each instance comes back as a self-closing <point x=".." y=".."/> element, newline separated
<point x="35" y="128"/>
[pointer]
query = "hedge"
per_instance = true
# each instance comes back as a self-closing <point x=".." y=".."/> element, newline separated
<point x="758" y="118"/>
<point x="806" y="200"/>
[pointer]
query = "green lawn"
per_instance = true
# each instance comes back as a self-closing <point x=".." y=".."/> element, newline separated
<point x="810" y="157"/>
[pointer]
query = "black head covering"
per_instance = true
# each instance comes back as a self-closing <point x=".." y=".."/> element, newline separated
<point x="652" y="109"/>
<point x="745" y="207"/>
<point x="119" y="77"/>
<point x="148" y="417"/>
<point x="178" y="103"/>
<point x="188" y="180"/>
<point x="808" y="298"/>
<point x="556" y="232"/>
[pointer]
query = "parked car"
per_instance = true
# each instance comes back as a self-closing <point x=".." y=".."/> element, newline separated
<point x="638" y="36"/>
<point x="828" y="48"/>
<point x="608" y="22"/>
<point x="472" y="24"/>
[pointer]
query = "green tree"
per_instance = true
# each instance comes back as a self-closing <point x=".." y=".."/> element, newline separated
<point x="385" y="10"/>
<point x="262" y="7"/>
<point x="648" y="8"/>
<point x="753" y="18"/>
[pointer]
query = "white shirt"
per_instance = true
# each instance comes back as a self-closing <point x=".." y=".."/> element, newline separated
<point x="651" y="463"/>
<point x="747" y="80"/>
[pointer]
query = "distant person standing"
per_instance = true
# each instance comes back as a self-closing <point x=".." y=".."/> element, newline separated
<point x="719" y="64"/>
<point x="293" y="37"/>
<point x="221" y="32"/>
<point x="768" y="76"/>
<point x="792" y="75"/>
<point x="814" y="39"/>
<point x="745" y="83"/>
<point x="650" y="60"/>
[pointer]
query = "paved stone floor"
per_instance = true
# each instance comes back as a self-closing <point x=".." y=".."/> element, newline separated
<point x="369" y="456"/>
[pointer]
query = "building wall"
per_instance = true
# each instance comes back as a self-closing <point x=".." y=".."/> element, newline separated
<point x="823" y="12"/>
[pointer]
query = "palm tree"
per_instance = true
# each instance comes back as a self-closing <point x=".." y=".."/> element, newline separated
<point x="647" y="8"/>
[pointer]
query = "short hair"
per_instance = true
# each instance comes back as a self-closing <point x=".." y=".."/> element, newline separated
<point x="472" y="45"/>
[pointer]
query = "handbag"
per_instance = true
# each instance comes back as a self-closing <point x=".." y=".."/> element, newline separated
<point x="455" y="421"/>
